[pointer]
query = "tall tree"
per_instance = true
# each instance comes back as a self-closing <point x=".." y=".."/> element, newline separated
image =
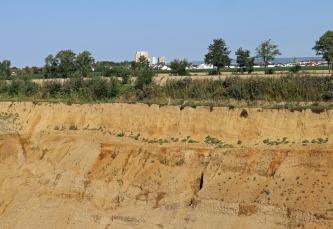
<point x="51" y="66"/>
<point x="218" y="55"/>
<point x="324" y="47"/>
<point x="267" y="51"/>
<point x="244" y="60"/>
<point x="5" y="68"/>
<point x="66" y="60"/>
<point x="84" y="61"/>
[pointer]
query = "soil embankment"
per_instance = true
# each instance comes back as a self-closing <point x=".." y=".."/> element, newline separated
<point x="139" y="166"/>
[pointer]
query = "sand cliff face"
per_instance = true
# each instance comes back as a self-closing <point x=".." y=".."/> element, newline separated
<point x="135" y="166"/>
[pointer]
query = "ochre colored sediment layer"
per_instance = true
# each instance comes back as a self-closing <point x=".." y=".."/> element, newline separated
<point x="89" y="166"/>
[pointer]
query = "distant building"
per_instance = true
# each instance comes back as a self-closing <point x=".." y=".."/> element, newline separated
<point x="154" y="61"/>
<point x="14" y="71"/>
<point x="162" y="60"/>
<point x="204" y="67"/>
<point x="165" y="68"/>
<point x="139" y="54"/>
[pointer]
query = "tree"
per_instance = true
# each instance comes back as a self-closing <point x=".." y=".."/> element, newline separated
<point x="179" y="67"/>
<point x="122" y="72"/>
<point x="218" y="55"/>
<point x="5" y="68"/>
<point x="84" y="61"/>
<point x="66" y="60"/>
<point x="324" y="47"/>
<point x="51" y="66"/>
<point x="267" y="51"/>
<point x="244" y="60"/>
<point x="143" y="63"/>
<point x="144" y="78"/>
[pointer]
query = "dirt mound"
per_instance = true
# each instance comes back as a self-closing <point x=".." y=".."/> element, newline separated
<point x="135" y="166"/>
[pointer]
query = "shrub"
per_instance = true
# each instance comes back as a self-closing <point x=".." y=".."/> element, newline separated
<point x="327" y="95"/>
<point x="3" y="86"/>
<point x="103" y="89"/>
<point x="291" y="88"/>
<point x="269" y="71"/>
<point x="213" y="72"/>
<point x="122" y="72"/>
<point x="52" y="88"/>
<point x="144" y="77"/>
<point x="318" y="109"/>
<point x="295" y="69"/>
<point x="14" y="88"/>
<point x="30" y="88"/>
<point x="179" y="67"/>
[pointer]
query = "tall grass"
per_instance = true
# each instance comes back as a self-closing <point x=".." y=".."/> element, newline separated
<point x="291" y="88"/>
<point x="288" y="89"/>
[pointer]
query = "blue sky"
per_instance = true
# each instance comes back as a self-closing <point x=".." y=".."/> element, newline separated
<point x="115" y="29"/>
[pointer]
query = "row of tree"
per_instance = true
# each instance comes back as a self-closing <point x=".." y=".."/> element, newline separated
<point x="218" y="56"/>
<point x="218" y="53"/>
<point x="66" y="64"/>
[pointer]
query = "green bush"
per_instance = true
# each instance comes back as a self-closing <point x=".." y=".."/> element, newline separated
<point x="213" y="72"/>
<point x="144" y="77"/>
<point x="52" y="88"/>
<point x="179" y="67"/>
<point x="327" y="95"/>
<point x="29" y="88"/>
<point x="14" y="87"/>
<point x="291" y="88"/>
<point x="121" y="72"/>
<point x="269" y="71"/>
<point x="295" y="69"/>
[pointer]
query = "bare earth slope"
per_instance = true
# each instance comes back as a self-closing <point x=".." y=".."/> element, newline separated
<point x="135" y="166"/>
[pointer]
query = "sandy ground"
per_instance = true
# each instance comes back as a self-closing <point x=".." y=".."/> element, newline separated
<point x="139" y="166"/>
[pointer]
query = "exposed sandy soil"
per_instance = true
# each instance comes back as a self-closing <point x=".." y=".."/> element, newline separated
<point x="135" y="166"/>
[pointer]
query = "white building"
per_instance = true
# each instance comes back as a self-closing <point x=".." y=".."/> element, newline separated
<point x="140" y="54"/>
<point x="205" y="66"/>
<point x="154" y="61"/>
<point x="162" y="60"/>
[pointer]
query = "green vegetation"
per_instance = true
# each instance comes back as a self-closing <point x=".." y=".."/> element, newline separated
<point x="244" y="60"/>
<point x="5" y="68"/>
<point x="216" y="142"/>
<point x="179" y="67"/>
<point x="289" y="88"/>
<point x="284" y="141"/>
<point x="295" y="69"/>
<point x="67" y="64"/>
<point x="188" y="92"/>
<point x="137" y="85"/>
<point x="218" y="55"/>
<point x="267" y="51"/>
<point x="319" y="141"/>
<point x="324" y="47"/>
